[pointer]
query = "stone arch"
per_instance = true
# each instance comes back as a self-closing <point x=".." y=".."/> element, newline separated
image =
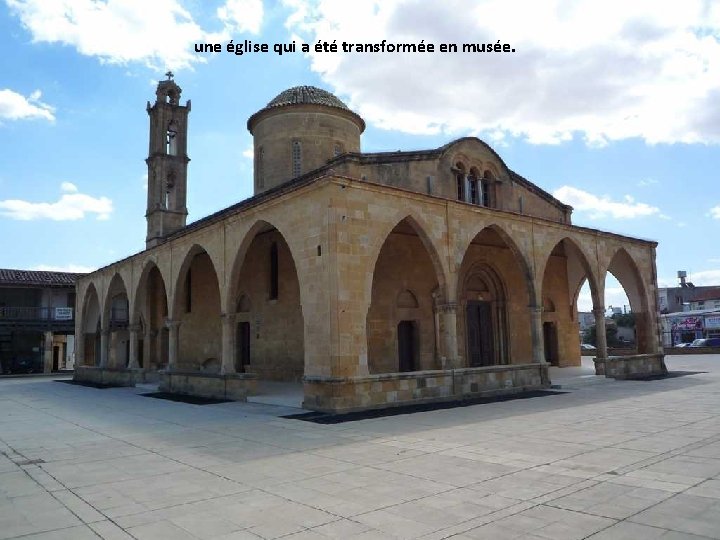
<point x="90" y="327"/>
<point x="116" y="313"/>
<point x="561" y="273"/>
<point x="233" y="290"/>
<point x="583" y="263"/>
<point x="195" y="311"/>
<point x="264" y="300"/>
<point x="513" y="246"/>
<point x="624" y="268"/>
<point x="506" y="268"/>
<point x="420" y="228"/>
<point x="401" y="325"/>
<point x="149" y="314"/>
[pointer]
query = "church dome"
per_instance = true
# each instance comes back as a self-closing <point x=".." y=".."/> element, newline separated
<point x="306" y="95"/>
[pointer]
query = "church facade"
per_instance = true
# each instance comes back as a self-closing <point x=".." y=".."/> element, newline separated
<point x="376" y="279"/>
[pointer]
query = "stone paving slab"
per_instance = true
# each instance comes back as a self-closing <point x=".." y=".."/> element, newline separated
<point x="606" y="460"/>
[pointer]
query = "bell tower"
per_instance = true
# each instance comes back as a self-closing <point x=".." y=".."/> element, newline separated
<point x="167" y="163"/>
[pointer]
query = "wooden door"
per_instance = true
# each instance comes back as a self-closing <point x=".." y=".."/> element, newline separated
<point x="406" y="346"/>
<point x="480" y="340"/>
<point x="243" y="346"/>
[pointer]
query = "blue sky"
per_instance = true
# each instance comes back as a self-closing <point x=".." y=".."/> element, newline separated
<point x="612" y="106"/>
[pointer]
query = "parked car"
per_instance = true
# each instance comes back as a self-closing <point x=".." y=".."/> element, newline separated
<point x="26" y="364"/>
<point x="587" y="347"/>
<point x="681" y="345"/>
<point x="706" y="342"/>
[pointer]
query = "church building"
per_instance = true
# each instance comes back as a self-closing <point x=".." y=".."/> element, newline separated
<point x="374" y="279"/>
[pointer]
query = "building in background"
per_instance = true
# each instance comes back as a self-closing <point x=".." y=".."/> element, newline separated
<point x="680" y="298"/>
<point x="37" y="321"/>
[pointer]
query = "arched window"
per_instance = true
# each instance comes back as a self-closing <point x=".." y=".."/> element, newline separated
<point x="171" y="139"/>
<point x="474" y="195"/>
<point x="296" y="158"/>
<point x="460" y="180"/>
<point x="273" y="271"/>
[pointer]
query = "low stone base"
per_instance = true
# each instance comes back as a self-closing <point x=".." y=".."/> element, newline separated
<point x="637" y="366"/>
<point x="233" y="386"/>
<point x="111" y="376"/>
<point x="343" y="395"/>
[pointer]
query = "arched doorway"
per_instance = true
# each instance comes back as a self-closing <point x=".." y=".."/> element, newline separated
<point x="196" y="312"/>
<point x="91" y="328"/>
<point x="151" y="312"/>
<point x="566" y="270"/>
<point x="401" y="322"/>
<point x="494" y="292"/>
<point x="265" y="297"/>
<point x="117" y="316"/>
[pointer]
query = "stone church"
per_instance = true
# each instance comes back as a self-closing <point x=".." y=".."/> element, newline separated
<point x="374" y="279"/>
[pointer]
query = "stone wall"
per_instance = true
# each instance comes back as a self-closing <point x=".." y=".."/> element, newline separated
<point x="236" y="386"/>
<point x="343" y="395"/>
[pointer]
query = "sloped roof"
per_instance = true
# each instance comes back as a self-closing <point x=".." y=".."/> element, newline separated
<point x="38" y="278"/>
<point x="707" y="294"/>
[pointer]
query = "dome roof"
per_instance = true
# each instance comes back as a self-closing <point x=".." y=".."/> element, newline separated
<point x="306" y="95"/>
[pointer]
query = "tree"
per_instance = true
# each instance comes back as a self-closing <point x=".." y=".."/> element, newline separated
<point x="590" y="336"/>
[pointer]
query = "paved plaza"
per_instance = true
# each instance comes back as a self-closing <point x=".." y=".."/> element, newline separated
<point x="604" y="460"/>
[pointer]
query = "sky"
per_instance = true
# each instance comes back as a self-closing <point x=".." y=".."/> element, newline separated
<point x="611" y="106"/>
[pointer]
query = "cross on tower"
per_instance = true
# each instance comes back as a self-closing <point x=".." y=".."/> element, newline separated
<point x="169" y="75"/>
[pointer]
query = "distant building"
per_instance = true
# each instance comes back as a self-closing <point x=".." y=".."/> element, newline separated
<point x="676" y="299"/>
<point x="586" y="319"/>
<point x="708" y="298"/>
<point x="37" y="321"/>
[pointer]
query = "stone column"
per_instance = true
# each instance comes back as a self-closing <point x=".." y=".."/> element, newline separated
<point x="134" y="330"/>
<point x="448" y="333"/>
<point x="79" y="348"/>
<point x="228" y="344"/>
<point x="48" y="352"/>
<point x="104" y="341"/>
<point x="600" y="335"/>
<point x="174" y="329"/>
<point x="536" y="333"/>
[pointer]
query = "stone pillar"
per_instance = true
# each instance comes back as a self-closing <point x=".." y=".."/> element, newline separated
<point x="47" y="352"/>
<point x="104" y="341"/>
<point x="174" y="329"/>
<point x="79" y="343"/>
<point x="600" y="335"/>
<point x="536" y="333"/>
<point x="134" y="330"/>
<point x="448" y="333"/>
<point x="228" y="344"/>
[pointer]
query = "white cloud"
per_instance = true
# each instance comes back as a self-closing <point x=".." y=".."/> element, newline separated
<point x="705" y="277"/>
<point x="76" y="268"/>
<point x="647" y="182"/>
<point x="242" y="15"/>
<point x="598" y="207"/>
<point x="249" y="152"/>
<point x="715" y="212"/>
<point x="68" y="187"/>
<point x="160" y="33"/>
<point x="14" y="106"/>
<point x="71" y="206"/>
<point x="604" y="69"/>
